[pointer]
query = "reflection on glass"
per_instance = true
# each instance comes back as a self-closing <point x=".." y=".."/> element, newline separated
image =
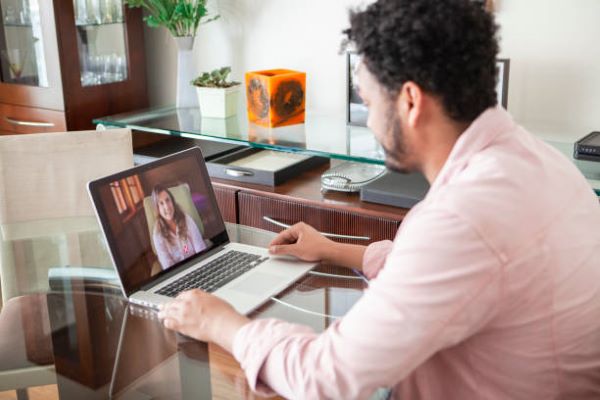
<point x="22" y="58"/>
<point x="16" y="59"/>
<point x="101" y="41"/>
<point x="95" y="12"/>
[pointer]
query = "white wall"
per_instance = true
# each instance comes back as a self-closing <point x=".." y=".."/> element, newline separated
<point x="554" y="47"/>
<point x="263" y="34"/>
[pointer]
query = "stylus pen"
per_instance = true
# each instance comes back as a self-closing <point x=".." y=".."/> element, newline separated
<point x="361" y="275"/>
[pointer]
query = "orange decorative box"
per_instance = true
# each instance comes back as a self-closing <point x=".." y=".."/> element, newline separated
<point x="276" y="97"/>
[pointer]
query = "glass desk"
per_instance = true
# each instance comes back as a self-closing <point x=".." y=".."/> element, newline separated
<point x="66" y="328"/>
<point x="320" y="135"/>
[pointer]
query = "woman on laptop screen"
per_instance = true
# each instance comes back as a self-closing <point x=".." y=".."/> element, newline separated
<point x="175" y="235"/>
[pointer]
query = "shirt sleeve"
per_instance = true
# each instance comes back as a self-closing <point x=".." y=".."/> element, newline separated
<point x="195" y="234"/>
<point x="440" y="284"/>
<point x="162" y="249"/>
<point x="375" y="256"/>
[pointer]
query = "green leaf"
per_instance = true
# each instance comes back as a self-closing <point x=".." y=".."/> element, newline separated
<point x="180" y="17"/>
<point x="216" y="78"/>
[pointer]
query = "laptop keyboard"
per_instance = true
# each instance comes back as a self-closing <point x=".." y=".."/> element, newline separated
<point x="215" y="274"/>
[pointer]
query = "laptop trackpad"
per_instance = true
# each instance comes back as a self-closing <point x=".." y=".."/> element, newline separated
<point x="257" y="283"/>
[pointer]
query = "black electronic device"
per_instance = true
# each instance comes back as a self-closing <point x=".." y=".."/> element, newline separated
<point x="588" y="147"/>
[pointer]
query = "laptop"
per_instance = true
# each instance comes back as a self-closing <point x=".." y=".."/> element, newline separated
<point x="165" y="235"/>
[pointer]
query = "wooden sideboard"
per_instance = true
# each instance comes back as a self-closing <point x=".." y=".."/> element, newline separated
<point x="300" y="199"/>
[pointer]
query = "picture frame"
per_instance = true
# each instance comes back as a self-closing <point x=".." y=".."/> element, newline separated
<point x="503" y="72"/>
<point x="356" y="111"/>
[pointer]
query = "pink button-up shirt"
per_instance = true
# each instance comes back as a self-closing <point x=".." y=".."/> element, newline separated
<point x="491" y="289"/>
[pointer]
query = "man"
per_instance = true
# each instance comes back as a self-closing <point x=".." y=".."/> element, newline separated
<point x="491" y="288"/>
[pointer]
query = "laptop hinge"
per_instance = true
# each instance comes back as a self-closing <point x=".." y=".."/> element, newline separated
<point x="183" y="267"/>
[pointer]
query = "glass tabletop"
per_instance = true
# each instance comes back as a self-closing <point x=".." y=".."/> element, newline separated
<point x="322" y="135"/>
<point x="64" y="321"/>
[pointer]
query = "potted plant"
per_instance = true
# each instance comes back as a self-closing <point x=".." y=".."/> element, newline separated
<point x="182" y="18"/>
<point x="217" y="96"/>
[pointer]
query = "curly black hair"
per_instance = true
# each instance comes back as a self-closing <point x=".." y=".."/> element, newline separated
<point x="447" y="47"/>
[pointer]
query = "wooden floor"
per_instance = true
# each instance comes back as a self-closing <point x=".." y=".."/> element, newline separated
<point x="49" y="392"/>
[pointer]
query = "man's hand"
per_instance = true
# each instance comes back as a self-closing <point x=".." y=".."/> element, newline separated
<point x="306" y="243"/>
<point x="302" y="241"/>
<point x="203" y="316"/>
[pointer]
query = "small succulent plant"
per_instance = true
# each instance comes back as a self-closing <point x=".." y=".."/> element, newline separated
<point x="215" y="79"/>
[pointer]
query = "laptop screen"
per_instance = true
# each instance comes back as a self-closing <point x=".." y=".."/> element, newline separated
<point x="158" y="216"/>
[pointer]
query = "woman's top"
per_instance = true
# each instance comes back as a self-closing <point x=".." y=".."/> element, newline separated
<point x="179" y="247"/>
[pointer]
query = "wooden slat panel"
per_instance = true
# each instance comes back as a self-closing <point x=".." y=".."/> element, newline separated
<point x="252" y="209"/>
<point x="226" y="199"/>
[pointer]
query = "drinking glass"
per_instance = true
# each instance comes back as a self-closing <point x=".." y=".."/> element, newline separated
<point x="16" y="59"/>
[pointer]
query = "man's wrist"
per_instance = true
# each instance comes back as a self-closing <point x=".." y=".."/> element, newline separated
<point x="329" y="254"/>
<point x="226" y="330"/>
<point x="344" y="255"/>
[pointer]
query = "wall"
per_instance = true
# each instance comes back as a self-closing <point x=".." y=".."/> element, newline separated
<point x="554" y="87"/>
<point x="554" y="48"/>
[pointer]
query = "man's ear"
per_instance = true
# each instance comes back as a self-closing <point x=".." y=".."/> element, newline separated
<point x="410" y="103"/>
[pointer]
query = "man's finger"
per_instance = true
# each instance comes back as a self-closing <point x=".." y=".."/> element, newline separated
<point x="171" y="310"/>
<point x="189" y="294"/>
<point x="285" y="249"/>
<point x="287" y="236"/>
<point x="171" y="323"/>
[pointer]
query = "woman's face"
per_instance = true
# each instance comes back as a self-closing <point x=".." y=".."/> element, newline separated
<point x="165" y="206"/>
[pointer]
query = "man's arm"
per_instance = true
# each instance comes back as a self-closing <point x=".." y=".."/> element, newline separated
<point x="441" y="285"/>
<point x="306" y="243"/>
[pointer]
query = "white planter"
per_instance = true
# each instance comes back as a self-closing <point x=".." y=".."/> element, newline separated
<point x="185" y="73"/>
<point x="217" y="102"/>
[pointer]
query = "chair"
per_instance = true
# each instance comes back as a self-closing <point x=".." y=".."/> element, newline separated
<point x="183" y="197"/>
<point x="43" y="179"/>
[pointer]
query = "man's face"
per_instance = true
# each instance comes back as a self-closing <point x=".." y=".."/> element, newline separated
<point x="384" y="120"/>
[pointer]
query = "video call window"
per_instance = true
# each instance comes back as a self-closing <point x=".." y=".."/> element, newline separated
<point x="160" y="217"/>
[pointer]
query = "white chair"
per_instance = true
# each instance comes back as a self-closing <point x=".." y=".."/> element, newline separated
<point x="43" y="199"/>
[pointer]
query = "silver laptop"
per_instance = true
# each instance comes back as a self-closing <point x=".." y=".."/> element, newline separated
<point x="165" y="235"/>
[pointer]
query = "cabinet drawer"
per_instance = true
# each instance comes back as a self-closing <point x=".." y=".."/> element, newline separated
<point x="253" y="208"/>
<point x="18" y="119"/>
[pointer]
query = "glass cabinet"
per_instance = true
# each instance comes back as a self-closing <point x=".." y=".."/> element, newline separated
<point x="101" y="34"/>
<point x="64" y="63"/>
<point x="22" y="56"/>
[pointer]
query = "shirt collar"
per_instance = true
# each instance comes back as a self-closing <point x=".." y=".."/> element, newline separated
<point x="480" y="134"/>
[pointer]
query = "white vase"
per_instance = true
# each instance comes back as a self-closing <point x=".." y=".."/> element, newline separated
<point x="218" y="102"/>
<point x="186" y="97"/>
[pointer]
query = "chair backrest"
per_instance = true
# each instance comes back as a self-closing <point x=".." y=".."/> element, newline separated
<point x="43" y="179"/>
<point x="183" y="197"/>
<point x="44" y="176"/>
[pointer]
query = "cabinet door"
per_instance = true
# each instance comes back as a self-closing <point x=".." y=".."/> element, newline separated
<point x="254" y="208"/>
<point x="29" y="67"/>
<point x="102" y="59"/>
<point x="226" y="199"/>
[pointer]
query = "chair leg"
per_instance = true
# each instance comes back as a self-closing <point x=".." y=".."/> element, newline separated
<point x="22" y="394"/>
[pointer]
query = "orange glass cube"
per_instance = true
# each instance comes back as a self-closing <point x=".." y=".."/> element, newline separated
<point x="276" y="97"/>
